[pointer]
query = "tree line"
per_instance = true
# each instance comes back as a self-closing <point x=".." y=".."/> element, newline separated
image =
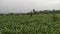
<point x="36" y="12"/>
<point x="45" y="12"/>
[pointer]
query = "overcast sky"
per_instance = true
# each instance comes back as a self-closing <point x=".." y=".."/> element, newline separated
<point x="28" y="5"/>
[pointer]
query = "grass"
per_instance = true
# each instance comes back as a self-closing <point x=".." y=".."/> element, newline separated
<point x="25" y="24"/>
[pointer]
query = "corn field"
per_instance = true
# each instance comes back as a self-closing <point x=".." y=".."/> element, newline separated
<point x="25" y="24"/>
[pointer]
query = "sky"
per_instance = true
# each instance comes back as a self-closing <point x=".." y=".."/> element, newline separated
<point x="20" y="6"/>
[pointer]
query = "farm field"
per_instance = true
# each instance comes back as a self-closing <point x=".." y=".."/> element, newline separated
<point x="25" y="24"/>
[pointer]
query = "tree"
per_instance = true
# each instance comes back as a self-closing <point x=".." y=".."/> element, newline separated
<point x="34" y="12"/>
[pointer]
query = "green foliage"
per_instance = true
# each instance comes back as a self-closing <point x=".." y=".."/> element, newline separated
<point x="54" y="16"/>
<point x="24" y="24"/>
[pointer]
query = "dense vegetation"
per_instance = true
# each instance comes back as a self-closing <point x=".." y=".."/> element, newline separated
<point x="25" y="24"/>
<point x="34" y="22"/>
